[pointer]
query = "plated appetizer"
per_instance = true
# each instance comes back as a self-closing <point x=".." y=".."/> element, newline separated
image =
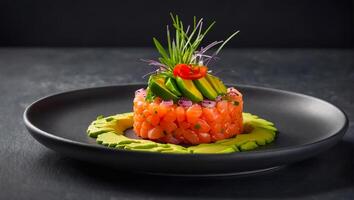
<point x="185" y="103"/>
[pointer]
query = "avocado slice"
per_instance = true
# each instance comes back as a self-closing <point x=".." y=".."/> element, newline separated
<point x="158" y="88"/>
<point x="188" y="88"/>
<point x="217" y="84"/>
<point x="248" y="146"/>
<point x="213" y="148"/>
<point x="213" y="83"/>
<point x="221" y="85"/>
<point x="172" y="86"/>
<point x="206" y="88"/>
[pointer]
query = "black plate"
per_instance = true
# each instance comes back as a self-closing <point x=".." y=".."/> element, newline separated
<point x="307" y="126"/>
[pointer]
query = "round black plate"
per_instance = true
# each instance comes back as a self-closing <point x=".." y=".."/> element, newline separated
<point x="307" y="126"/>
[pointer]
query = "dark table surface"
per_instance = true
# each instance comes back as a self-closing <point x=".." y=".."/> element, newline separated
<point x="28" y="170"/>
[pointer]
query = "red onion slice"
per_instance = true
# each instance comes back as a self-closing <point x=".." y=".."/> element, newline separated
<point x="233" y="91"/>
<point x="141" y="91"/>
<point x="185" y="102"/>
<point x="218" y="98"/>
<point x="167" y="103"/>
<point x="208" y="103"/>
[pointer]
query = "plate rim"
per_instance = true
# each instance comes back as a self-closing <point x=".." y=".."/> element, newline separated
<point x="35" y="130"/>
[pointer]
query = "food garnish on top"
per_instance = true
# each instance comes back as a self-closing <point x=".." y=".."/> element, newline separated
<point x="182" y="68"/>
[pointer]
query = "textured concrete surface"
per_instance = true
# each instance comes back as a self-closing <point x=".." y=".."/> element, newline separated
<point x="28" y="170"/>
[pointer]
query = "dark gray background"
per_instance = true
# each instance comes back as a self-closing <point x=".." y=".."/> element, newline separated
<point x="263" y="23"/>
<point x="28" y="170"/>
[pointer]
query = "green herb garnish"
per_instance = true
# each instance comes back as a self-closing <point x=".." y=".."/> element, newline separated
<point x="183" y="48"/>
<point x="197" y="126"/>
